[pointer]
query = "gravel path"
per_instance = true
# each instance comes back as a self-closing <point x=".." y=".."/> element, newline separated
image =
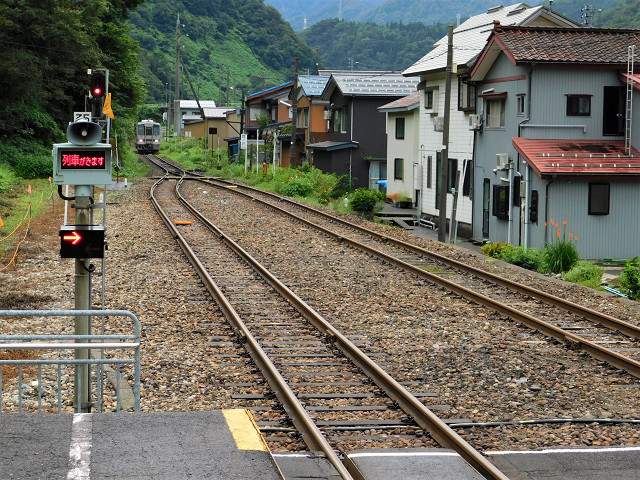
<point x="486" y="367"/>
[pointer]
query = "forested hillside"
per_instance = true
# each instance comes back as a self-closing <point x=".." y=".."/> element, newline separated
<point x="626" y="15"/>
<point x="366" y="46"/>
<point x="243" y="43"/>
<point x="46" y="48"/>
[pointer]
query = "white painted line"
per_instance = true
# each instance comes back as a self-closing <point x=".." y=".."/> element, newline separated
<point x="402" y="454"/>
<point x="80" y="448"/>
<point x="565" y="450"/>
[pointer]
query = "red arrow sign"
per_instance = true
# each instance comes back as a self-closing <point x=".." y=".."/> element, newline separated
<point x="73" y="238"/>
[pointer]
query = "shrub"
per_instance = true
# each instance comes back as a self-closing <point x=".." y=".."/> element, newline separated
<point x="364" y="201"/>
<point x="585" y="273"/>
<point x="7" y="178"/>
<point x="529" y="258"/>
<point x="34" y="166"/>
<point x="493" y="249"/>
<point x="561" y="254"/>
<point x="630" y="278"/>
<point x="297" y="186"/>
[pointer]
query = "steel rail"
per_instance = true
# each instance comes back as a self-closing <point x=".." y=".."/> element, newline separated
<point x="430" y="422"/>
<point x="595" y="350"/>
<point x="310" y="433"/>
<point x="608" y="321"/>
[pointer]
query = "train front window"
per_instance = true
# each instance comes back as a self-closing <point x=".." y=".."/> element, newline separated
<point x="148" y="130"/>
<point x="156" y="129"/>
<point x="140" y="129"/>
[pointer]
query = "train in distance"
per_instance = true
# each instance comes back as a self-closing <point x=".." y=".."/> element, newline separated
<point x="148" y="136"/>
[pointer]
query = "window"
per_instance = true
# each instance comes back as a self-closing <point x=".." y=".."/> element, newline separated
<point x="501" y="201"/>
<point x="520" y="99"/>
<point x="340" y="120"/>
<point x="599" y="198"/>
<point x="302" y="118"/>
<point x="495" y="112"/>
<point x="451" y="176"/>
<point x="578" y="105"/>
<point x="466" y="183"/>
<point x="400" y="128"/>
<point x="466" y="96"/>
<point x="533" y="208"/>
<point x="428" y="100"/>
<point x="431" y="98"/>
<point x="429" y="174"/>
<point x="398" y="169"/>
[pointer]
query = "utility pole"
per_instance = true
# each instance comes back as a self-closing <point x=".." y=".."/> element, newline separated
<point x="176" y="97"/>
<point x="444" y="163"/>
<point x="228" y="77"/>
<point x="294" y="117"/>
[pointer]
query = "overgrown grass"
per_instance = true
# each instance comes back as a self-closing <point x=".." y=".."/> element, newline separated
<point x="131" y="167"/>
<point x="585" y="273"/>
<point x="14" y="207"/>
<point x="311" y="185"/>
<point x="630" y="278"/>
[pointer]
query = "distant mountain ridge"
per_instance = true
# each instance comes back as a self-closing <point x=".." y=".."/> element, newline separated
<point x="377" y="11"/>
<point x="428" y="12"/>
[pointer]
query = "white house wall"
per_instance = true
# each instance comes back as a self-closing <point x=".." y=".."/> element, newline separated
<point x="460" y="147"/>
<point x="404" y="148"/>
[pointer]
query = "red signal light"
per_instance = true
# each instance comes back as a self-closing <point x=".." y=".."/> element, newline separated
<point x="98" y="84"/>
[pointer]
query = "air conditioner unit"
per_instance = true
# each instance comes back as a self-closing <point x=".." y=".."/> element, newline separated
<point x="475" y="122"/>
<point x="502" y="160"/>
<point x="438" y="124"/>
<point x="327" y="114"/>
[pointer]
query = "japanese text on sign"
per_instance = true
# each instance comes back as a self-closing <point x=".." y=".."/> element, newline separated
<point x="82" y="160"/>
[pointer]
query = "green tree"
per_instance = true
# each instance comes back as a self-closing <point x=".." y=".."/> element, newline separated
<point x="46" y="48"/>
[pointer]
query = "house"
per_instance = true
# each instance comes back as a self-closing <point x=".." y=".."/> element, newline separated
<point x="558" y="142"/>
<point x="311" y="124"/>
<point x="264" y="113"/>
<point x="468" y="40"/>
<point x="403" y="169"/>
<point x="214" y="127"/>
<point x="189" y="111"/>
<point x="356" y="145"/>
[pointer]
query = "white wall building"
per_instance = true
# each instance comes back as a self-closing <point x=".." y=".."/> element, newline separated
<point x="403" y="167"/>
<point x="468" y="41"/>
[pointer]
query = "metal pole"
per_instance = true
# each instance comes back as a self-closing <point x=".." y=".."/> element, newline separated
<point x="294" y="117"/>
<point x="176" y="97"/>
<point x="444" y="164"/>
<point x="82" y="302"/>
<point x="454" y="208"/>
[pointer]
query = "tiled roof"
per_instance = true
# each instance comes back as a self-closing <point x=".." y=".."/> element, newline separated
<point x="470" y="37"/>
<point x="194" y="104"/>
<point x="578" y="158"/>
<point x="363" y="84"/>
<point x="566" y="45"/>
<point x="406" y="103"/>
<point x="271" y="90"/>
<point x="313" y="85"/>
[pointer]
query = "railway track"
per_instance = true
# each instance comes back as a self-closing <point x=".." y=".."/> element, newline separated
<point x="604" y="337"/>
<point x="331" y="392"/>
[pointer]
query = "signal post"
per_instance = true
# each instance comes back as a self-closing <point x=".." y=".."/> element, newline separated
<point x="83" y="162"/>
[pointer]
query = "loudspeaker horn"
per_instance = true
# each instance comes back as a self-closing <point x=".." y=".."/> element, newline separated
<point x="84" y="132"/>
